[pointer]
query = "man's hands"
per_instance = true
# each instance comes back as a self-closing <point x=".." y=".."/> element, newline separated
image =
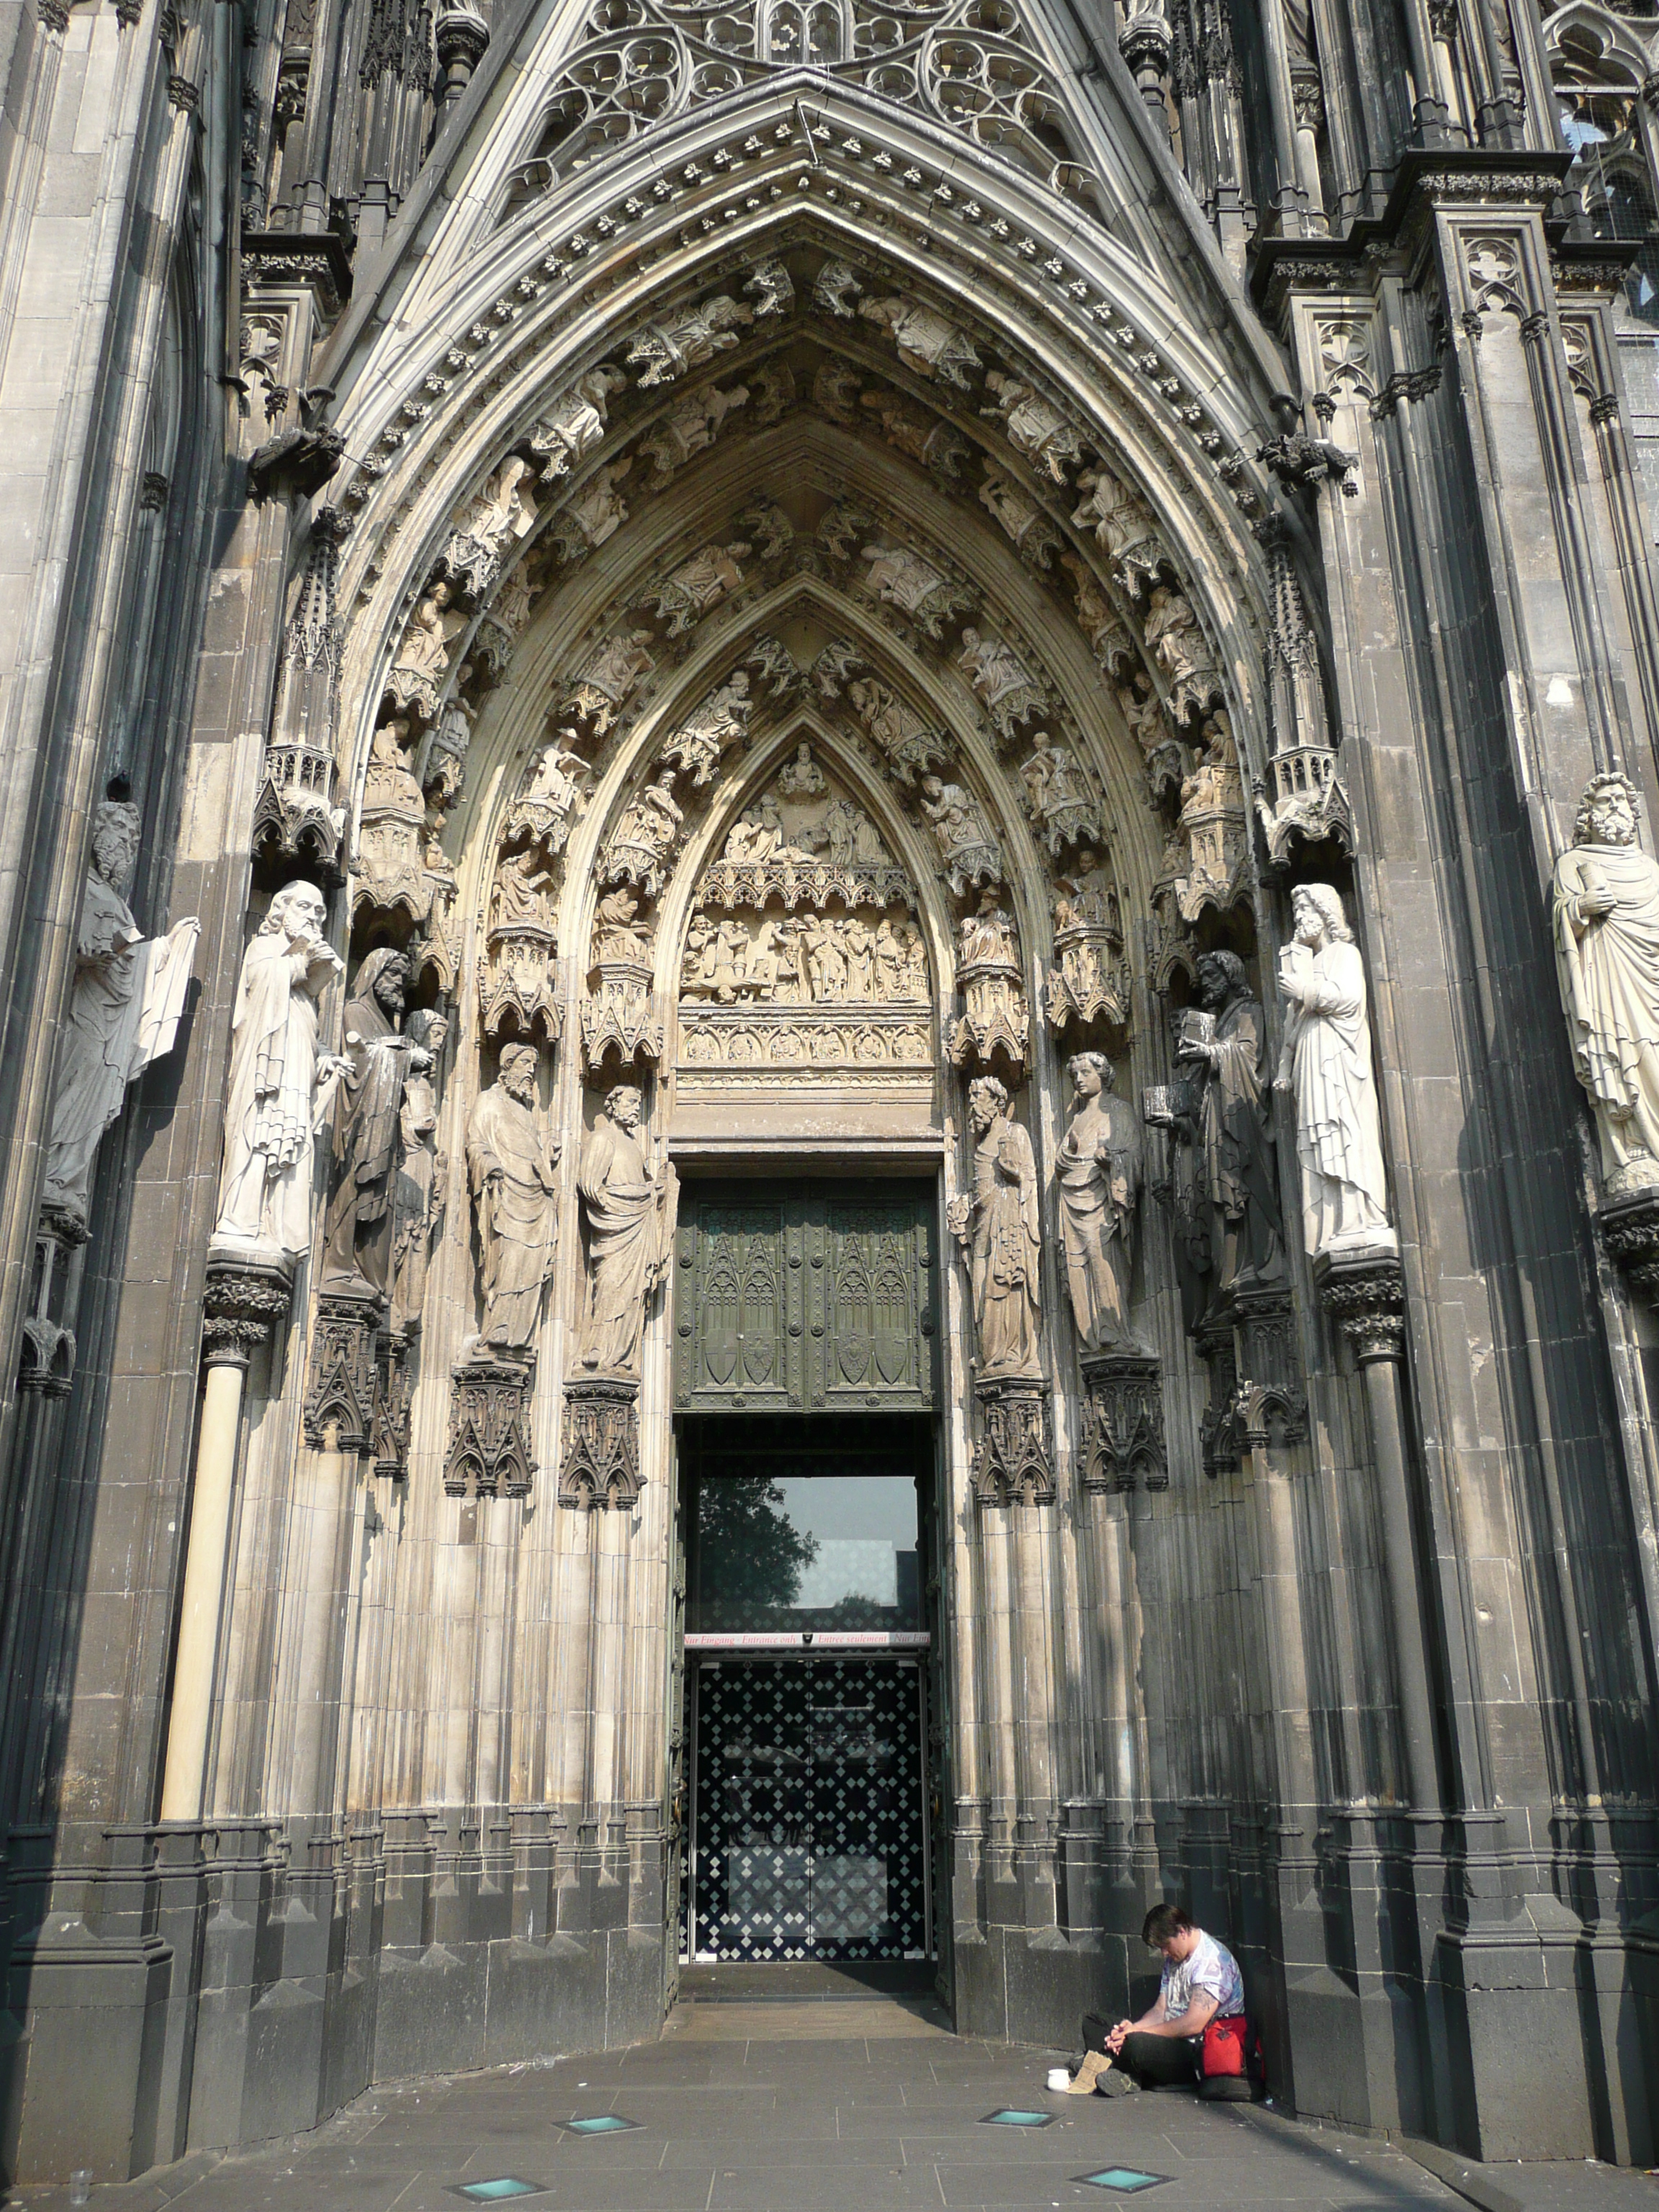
<point x="1115" y="2040"/>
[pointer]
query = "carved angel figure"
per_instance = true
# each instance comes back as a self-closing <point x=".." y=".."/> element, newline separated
<point x="926" y="341"/>
<point x="1062" y="799"/>
<point x="912" y="430"/>
<point x="503" y="513"/>
<point x="1019" y="517"/>
<point x="690" y="426"/>
<point x="577" y="422"/>
<point x="999" y="679"/>
<point x="967" y="844"/>
<point x="594" y="514"/>
<point x="128" y="995"/>
<point x="423" y="658"/>
<point x="607" y="678"/>
<point x="1123" y="525"/>
<point x="696" y="585"/>
<point x="666" y="350"/>
<point x="1033" y="426"/>
<point x="722" y="718"/>
<point x="770" y="289"/>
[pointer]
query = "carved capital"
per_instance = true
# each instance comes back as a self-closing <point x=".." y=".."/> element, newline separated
<point x="185" y="95"/>
<point x="1365" y="1294"/>
<point x="1123" y="1445"/>
<point x="1013" y="1456"/>
<point x="244" y="1300"/>
<point x="601" y="1465"/>
<point x="488" y="1454"/>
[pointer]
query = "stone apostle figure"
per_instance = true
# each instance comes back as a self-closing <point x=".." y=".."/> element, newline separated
<point x="515" y="1196"/>
<point x="1097" y="1171"/>
<point x="628" y="1213"/>
<point x="368" y="1110"/>
<point x="272" y="1102"/>
<point x="1607" y="953"/>
<point x="1000" y="1230"/>
<point x="124" y="1010"/>
<point x="420" y="1172"/>
<point x="1326" y="1066"/>
<point x="1239" y="1181"/>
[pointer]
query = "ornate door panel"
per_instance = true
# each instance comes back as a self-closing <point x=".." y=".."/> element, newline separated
<point x="809" y="1301"/>
<point x="808" y="1832"/>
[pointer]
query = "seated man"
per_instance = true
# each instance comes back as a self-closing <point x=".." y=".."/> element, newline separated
<point x="1201" y="1982"/>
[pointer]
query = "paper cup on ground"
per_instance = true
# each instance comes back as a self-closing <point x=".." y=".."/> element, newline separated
<point x="1059" y="2078"/>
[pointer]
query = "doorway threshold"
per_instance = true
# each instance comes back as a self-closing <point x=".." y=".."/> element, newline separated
<point x="813" y="1639"/>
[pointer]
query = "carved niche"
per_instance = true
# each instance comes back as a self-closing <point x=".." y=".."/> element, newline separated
<point x="804" y="952"/>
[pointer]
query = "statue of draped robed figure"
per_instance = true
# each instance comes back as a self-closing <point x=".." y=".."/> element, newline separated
<point x="1000" y="1230"/>
<point x="1098" y="1172"/>
<point x="513" y="1170"/>
<point x="368" y="1127"/>
<point x="1325" y="1063"/>
<point x="125" y="1008"/>
<point x="1607" y="954"/>
<point x="629" y="1212"/>
<point x="280" y="1085"/>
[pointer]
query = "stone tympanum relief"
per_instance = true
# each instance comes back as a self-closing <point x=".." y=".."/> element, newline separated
<point x="272" y="1101"/>
<point x="803" y="949"/>
<point x="1325" y="1064"/>
<point x="628" y="1219"/>
<point x="1098" y="1173"/>
<point x="1607" y="950"/>
<point x="513" y="1169"/>
<point x="125" y="1010"/>
<point x="368" y="1110"/>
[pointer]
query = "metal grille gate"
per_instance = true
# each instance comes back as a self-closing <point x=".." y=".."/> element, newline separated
<point x="808" y="1811"/>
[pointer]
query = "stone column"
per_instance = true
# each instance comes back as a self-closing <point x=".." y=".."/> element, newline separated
<point x="244" y="1299"/>
<point x="1364" y="1293"/>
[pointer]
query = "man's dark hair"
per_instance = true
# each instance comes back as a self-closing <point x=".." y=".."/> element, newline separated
<point x="1162" y="1922"/>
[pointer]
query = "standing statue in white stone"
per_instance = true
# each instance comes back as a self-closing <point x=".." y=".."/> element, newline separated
<point x="1607" y="953"/>
<point x="630" y="1217"/>
<point x="1000" y="1230"/>
<point x="515" y="1196"/>
<point x="418" y="1206"/>
<point x="1097" y="1169"/>
<point x="1326" y="1066"/>
<point x="124" y="1012"/>
<point x="274" y="1101"/>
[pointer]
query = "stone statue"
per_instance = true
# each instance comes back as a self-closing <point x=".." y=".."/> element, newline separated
<point x="1326" y="1066"/>
<point x="646" y="836"/>
<point x="690" y="426"/>
<point x="128" y="995"/>
<point x="1223" y="1040"/>
<point x="577" y="422"/>
<point x="503" y="512"/>
<point x="629" y="1214"/>
<point x="607" y="679"/>
<point x="423" y="658"/>
<point x="592" y="514"/>
<point x="722" y="718"/>
<point x="1123" y="528"/>
<point x="999" y="1228"/>
<point x="1097" y="1171"/>
<point x="422" y="1171"/>
<point x="368" y="1111"/>
<point x="999" y="680"/>
<point x="1034" y="428"/>
<point x="967" y="844"/>
<point x="926" y="341"/>
<point x="1607" y="954"/>
<point x="665" y="351"/>
<point x="689" y="591"/>
<point x="516" y="1197"/>
<point x="902" y="579"/>
<point x="617" y="934"/>
<point x="272" y="1100"/>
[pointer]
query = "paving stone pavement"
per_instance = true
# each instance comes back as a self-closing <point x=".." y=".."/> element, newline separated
<point x="782" y="2118"/>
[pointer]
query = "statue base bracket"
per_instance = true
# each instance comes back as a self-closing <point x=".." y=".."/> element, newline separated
<point x="1013" y="1458"/>
<point x="1123" y="1446"/>
<point x="601" y="1466"/>
<point x="488" y="1454"/>
<point x="1630" y="1238"/>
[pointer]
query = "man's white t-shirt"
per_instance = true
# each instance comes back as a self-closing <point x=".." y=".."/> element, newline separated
<point x="1209" y="1970"/>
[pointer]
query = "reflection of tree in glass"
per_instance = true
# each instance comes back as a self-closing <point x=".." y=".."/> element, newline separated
<point x="751" y="1554"/>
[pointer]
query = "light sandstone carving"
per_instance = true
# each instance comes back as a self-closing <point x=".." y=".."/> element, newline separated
<point x="1064" y="801"/>
<point x="803" y="778"/>
<point x="503" y="512"/>
<point x="665" y="351"/>
<point x="836" y="289"/>
<point x="771" y="287"/>
<point x="1175" y="640"/>
<point x="1032" y="427"/>
<point x="690" y="426"/>
<point x="551" y="802"/>
<point x="689" y="591"/>
<point x="995" y="1018"/>
<point x="592" y="514"/>
<point x="1213" y="826"/>
<point x="1001" y="682"/>
<point x="722" y="720"/>
<point x="422" y="1171"/>
<point x="513" y="1169"/>
<point x="967" y="844"/>
<point x="629" y="1217"/>
<point x="125" y="1008"/>
<point x="598" y="693"/>
<point x="1606" y="904"/>
<point x="902" y="579"/>
<point x="1105" y="628"/>
<point x="1091" y="980"/>
<point x="272" y="1101"/>
<point x="621" y="1013"/>
<point x="518" y="984"/>
<point x="1325" y="1064"/>
<point x="644" y="840"/>
<point x="911" y="430"/>
<point x="926" y="343"/>
<point x="1124" y="529"/>
<point x="1028" y="528"/>
<point x="421" y="660"/>
<point x="999" y="1229"/>
<point x="1097" y="1175"/>
<point x="575" y="425"/>
<point x="914" y="747"/>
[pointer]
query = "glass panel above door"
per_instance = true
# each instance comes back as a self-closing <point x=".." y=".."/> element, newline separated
<point x="794" y="1552"/>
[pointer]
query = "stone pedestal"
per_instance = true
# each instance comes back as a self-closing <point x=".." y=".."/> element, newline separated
<point x="488" y="1454"/>
<point x="1123" y="1446"/>
<point x="1013" y="1454"/>
<point x="601" y="1465"/>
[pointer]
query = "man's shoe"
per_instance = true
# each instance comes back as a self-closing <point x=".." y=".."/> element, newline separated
<point x="1114" y="2082"/>
<point x="1081" y="2084"/>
